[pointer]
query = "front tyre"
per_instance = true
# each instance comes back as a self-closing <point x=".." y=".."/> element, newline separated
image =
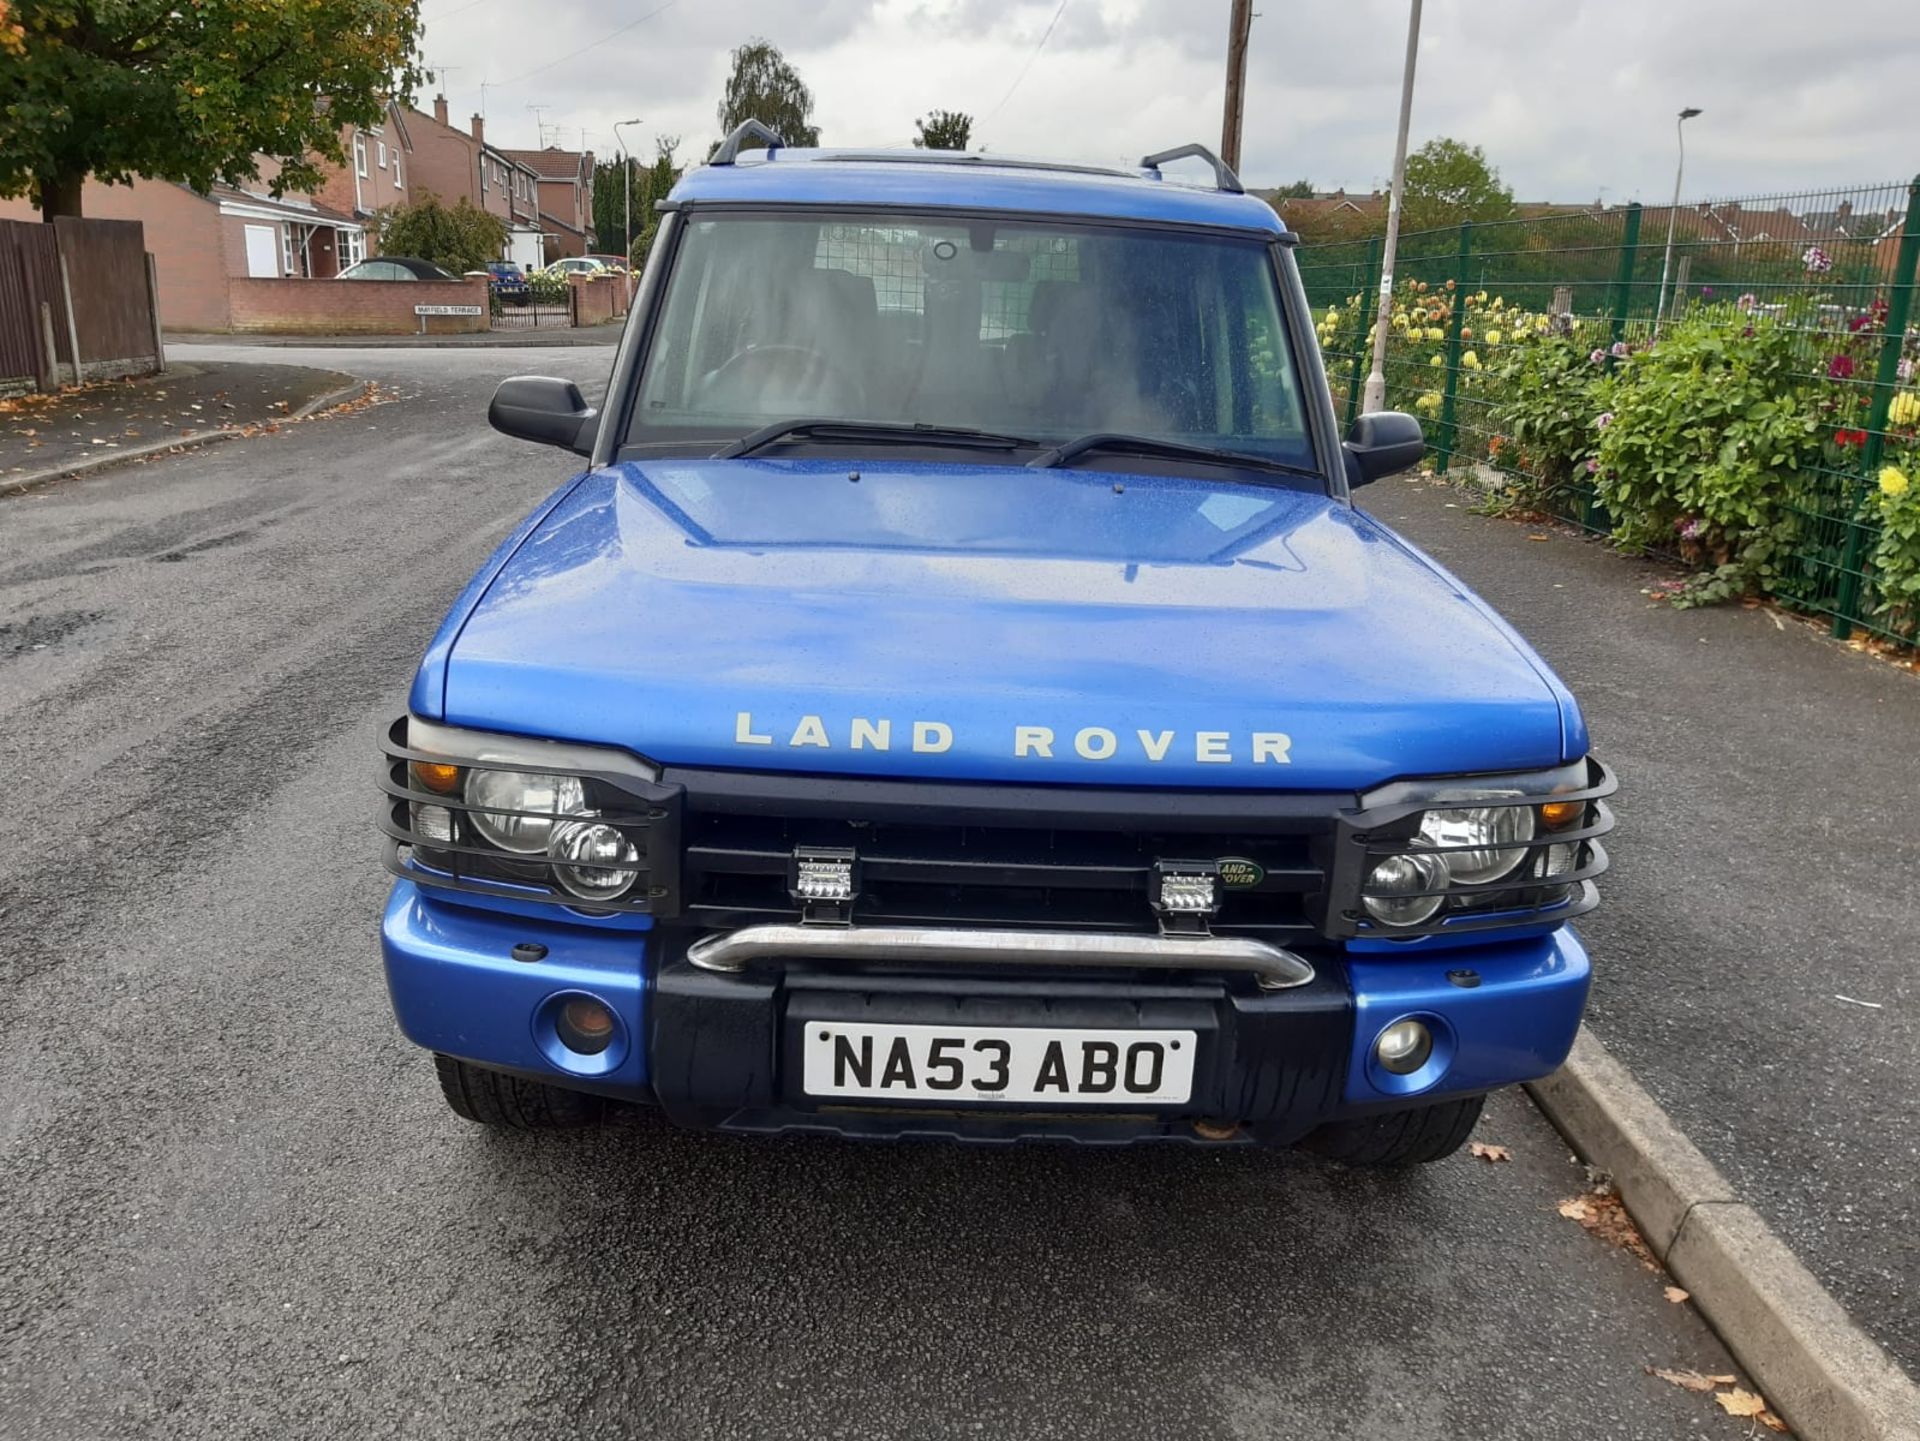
<point x="494" y="1098"/>
<point x="1399" y="1138"/>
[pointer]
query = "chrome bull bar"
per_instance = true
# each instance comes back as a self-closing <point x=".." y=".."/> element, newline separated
<point x="1272" y="967"/>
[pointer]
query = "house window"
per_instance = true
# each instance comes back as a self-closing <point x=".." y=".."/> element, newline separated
<point x="396" y="170"/>
<point x="286" y="250"/>
<point x="360" y="156"/>
<point x="483" y="176"/>
<point x="383" y="154"/>
<point x="353" y="247"/>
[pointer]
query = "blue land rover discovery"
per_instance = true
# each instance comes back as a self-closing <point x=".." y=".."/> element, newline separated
<point x="960" y="698"/>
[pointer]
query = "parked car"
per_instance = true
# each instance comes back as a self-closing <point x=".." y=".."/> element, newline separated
<point x="578" y="265"/>
<point x="910" y="726"/>
<point x="615" y="263"/>
<point x="394" y="267"/>
<point x="507" y="280"/>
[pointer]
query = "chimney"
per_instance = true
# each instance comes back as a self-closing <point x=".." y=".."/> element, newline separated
<point x="1846" y="210"/>
<point x="480" y="129"/>
<point x="440" y="108"/>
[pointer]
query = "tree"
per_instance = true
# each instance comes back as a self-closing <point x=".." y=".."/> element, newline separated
<point x="764" y="87"/>
<point x="1299" y="190"/>
<point x="651" y="185"/>
<point x="1448" y="182"/>
<point x="457" y="238"/>
<point x="191" y="90"/>
<point x="943" y="130"/>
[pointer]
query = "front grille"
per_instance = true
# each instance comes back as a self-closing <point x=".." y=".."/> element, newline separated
<point x="939" y="860"/>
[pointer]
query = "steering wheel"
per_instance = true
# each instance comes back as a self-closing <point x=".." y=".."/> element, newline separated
<point x="782" y="377"/>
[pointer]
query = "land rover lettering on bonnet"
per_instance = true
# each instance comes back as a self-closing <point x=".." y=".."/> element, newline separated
<point x="960" y="697"/>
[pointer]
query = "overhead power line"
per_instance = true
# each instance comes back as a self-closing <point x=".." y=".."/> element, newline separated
<point x="572" y="54"/>
<point x="1044" y="38"/>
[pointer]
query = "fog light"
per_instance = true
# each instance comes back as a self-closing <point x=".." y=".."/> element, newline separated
<point x="585" y="1026"/>
<point x="1386" y="895"/>
<point x="1403" y="1047"/>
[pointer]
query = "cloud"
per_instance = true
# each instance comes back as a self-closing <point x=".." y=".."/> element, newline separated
<point x="1570" y="99"/>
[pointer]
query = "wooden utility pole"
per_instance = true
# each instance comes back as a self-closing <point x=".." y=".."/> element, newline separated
<point x="1237" y="31"/>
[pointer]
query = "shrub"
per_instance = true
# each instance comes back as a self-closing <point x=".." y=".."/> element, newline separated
<point x="1709" y="439"/>
<point x="1542" y="411"/>
<point x="1896" y="555"/>
<point x="548" y="287"/>
<point x="457" y="238"/>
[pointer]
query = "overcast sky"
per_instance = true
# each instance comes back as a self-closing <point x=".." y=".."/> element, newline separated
<point x="1572" y="99"/>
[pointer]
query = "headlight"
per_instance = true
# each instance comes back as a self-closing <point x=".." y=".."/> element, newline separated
<point x="535" y="801"/>
<point x="1497" y="850"/>
<point x="1390" y="881"/>
<point x="1498" y="835"/>
<point x="524" y="817"/>
<point x="595" y="862"/>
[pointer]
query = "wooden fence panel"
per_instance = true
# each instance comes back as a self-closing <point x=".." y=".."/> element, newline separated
<point x="29" y="275"/>
<point x="107" y="268"/>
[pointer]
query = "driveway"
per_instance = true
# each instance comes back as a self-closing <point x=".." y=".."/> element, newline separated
<point x="235" y="1206"/>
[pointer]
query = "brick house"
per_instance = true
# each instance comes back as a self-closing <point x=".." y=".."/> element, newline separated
<point x="458" y="164"/>
<point x="374" y="177"/>
<point x="565" y="198"/>
<point x="201" y="242"/>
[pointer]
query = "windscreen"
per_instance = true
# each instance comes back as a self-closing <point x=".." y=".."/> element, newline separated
<point x="1041" y="330"/>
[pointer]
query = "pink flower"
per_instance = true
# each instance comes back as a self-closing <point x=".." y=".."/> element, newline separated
<point x="1748" y="301"/>
<point x="1859" y="323"/>
<point x="1598" y="355"/>
<point x="1816" y="260"/>
<point x="1905" y="368"/>
<point x="1606" y="419"/>
<point x="1840" y="368"/>
<point x="1691" y="528"/>
<point x="1619" y="350"/>
<point x="1593" y="466"/>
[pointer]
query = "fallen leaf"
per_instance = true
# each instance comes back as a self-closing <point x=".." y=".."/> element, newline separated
<point x="1490" y="1153"/>
<point x="1676" y="1295"/>
<point x="1692" y="1380"/>
<point x="1539" y="537"/>
<point x="1772" y="1422"/>
<point x="1604" y="1216"/>
<point x="1741" y="1403"/>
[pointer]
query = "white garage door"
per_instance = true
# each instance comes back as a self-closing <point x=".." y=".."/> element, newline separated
<point x="263" y="251"/>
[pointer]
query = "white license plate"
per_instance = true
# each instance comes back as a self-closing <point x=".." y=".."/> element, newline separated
<point x="998" y="1063"/>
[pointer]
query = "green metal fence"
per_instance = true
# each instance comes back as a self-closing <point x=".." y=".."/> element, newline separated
<point x="1838" y="267"/>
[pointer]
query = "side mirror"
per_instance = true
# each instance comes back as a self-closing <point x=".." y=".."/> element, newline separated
<point x="540" y="408"/>
<point x="1382" y="442"/>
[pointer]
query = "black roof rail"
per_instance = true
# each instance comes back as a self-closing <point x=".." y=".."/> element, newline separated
<point x="1223" y="176"/>
<point x="747" y="130"/>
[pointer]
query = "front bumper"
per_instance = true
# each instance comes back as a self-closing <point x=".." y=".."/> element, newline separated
<point x="710" y="1047"/>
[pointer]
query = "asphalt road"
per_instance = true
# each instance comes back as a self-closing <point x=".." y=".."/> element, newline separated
<point x="1762" y="887"/>
<point x="232" y="1204"/>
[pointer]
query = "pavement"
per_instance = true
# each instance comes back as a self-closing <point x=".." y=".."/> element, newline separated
<point x="41" y="432"/>
<point x="513" y="338"/>
<point x="232" y="1203"/>
<point x="1754" y="951"/>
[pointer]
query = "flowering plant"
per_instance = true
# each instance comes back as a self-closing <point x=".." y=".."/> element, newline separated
<point x="1816" y="260"/>
<point x="1895" y="503"/>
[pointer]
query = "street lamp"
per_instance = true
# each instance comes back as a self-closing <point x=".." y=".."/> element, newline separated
<point x="1673" y="212"/>
<point x="626" y="162"/>
<point x="1376" y="389"/>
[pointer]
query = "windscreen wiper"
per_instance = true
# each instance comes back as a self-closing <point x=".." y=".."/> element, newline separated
<point x="870" y="432"/>
<point x="1124" y="444"/>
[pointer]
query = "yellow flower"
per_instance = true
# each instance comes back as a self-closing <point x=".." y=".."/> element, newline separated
<point x="1493" y="337"/>
<point x="1436" y="362"/>
<point x="1893" y="480"/>
<point x="1905" y="409"/>
<point x="1333" y="315"/>
<point x="1429" y="401"/>
<point x="1434" y="332"/>
<point x="1470" y="361"/>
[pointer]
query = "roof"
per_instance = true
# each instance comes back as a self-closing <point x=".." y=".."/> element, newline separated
<point x="552" y="163"/>
<point x="288" y="207"/>
<point x="917" y="179"/>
